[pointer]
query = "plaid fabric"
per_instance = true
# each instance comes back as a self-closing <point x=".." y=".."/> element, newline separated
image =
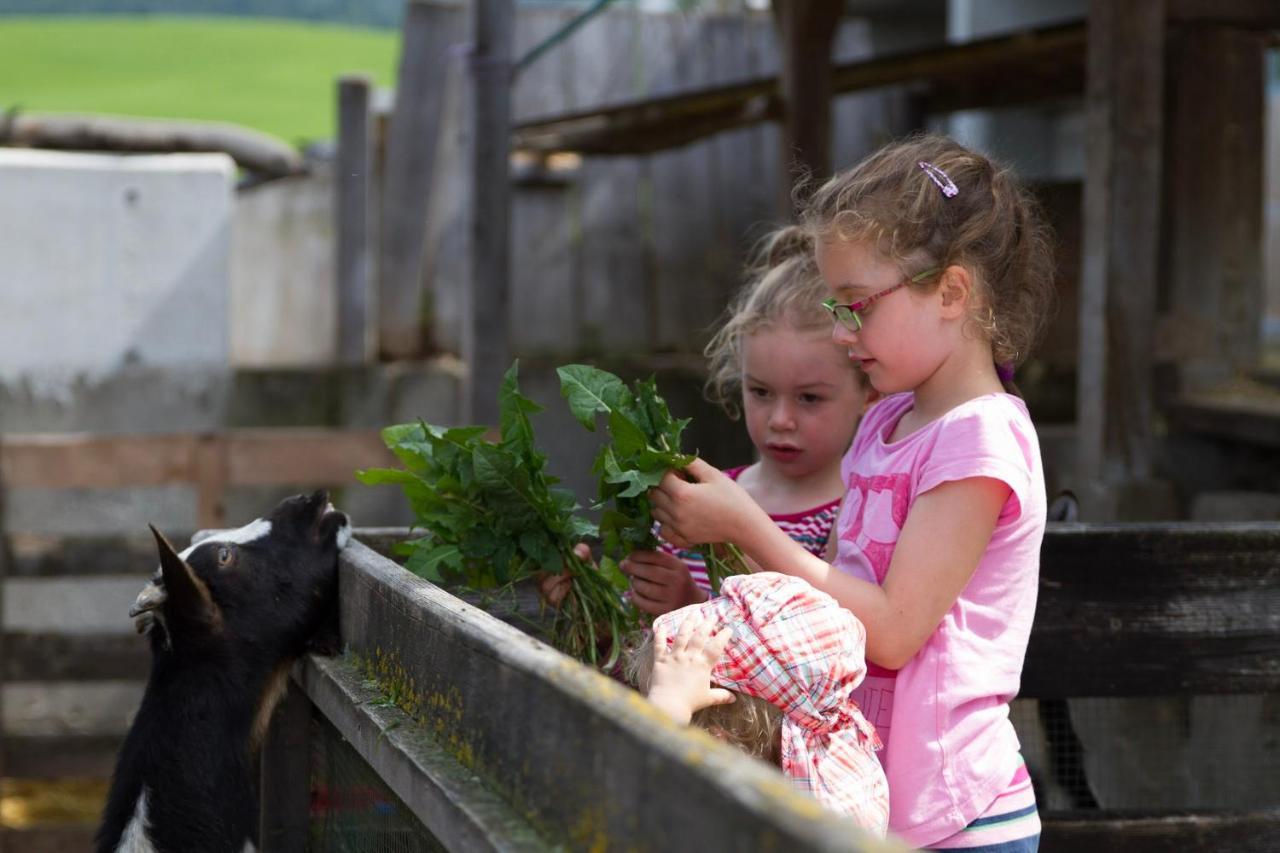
<point x="797" y="649"/>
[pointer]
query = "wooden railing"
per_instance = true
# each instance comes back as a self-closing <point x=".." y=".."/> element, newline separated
<point x="495" y="741"/>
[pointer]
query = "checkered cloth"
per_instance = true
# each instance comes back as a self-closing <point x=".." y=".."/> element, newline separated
<point x="799" y="650"/>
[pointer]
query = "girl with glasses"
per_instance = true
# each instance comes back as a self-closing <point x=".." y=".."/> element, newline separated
<point x="939" y="273"/>
<point x="772" y="362"/>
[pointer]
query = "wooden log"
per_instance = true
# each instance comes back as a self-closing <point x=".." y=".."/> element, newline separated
<point x="1156" y="610"/>
<point x="251" y="149"/>
<point x="353" y="186"/>
<point x="506" y="706"/>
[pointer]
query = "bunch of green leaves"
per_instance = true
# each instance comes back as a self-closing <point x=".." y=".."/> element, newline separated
<point x="493" y="516"/>
<point x="644" y="445"/>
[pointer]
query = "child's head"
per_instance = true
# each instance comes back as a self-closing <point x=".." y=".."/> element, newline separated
<point x="928" y="207"/>
<point x="774" y="361"/>
<point x="794" y="660"/>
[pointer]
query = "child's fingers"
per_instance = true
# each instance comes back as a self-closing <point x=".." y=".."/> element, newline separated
<point x="583" y="550"/>
<point x="661" y="631"/>
<point x="717" y="642"/>
<point x="719" y="696"/>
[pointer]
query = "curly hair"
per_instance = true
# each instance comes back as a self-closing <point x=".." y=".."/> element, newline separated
<point x="783" y="286"/>
<point x="992" y="226"/>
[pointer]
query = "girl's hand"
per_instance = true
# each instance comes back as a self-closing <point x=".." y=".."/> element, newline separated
<point x="554" y="588"/>
<point x="682" y="671"/>
<point x="660" y="582"/>
<point x="704" y="507"/>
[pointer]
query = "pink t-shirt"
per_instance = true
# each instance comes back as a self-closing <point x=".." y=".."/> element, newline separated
<point x="950" y="749"/>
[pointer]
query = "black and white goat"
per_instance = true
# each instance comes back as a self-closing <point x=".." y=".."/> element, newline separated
<point x="226" y="619"/>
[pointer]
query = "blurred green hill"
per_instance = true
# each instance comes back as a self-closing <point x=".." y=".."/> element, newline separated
<point x="370" y="13"/>
<point x="273" y="75"/>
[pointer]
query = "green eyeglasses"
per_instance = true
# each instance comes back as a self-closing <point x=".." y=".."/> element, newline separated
<point x="848" y="313"/>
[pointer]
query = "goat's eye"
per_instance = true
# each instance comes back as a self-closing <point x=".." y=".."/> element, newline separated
<point x="225" y="557"/>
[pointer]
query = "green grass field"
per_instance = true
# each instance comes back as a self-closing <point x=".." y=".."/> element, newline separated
<point x="275" y="76"/>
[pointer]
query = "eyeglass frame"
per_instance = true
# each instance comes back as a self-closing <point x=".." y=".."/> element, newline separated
<point x="842" y="312"/>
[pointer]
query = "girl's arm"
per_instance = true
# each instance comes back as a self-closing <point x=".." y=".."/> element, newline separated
<point x="938" y="549"/>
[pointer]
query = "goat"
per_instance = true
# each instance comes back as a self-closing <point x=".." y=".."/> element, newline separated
<point x="226" y="618"/>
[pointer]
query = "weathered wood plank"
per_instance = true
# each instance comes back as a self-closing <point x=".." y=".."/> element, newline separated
<point x="1161" y="609"/>
<point x="285" y="776"/>
<point x="435" y="783"/>
<point x="1213" y="288"/>
<point x="486" y="344"/>
<point x="61" y="756"/>
<point x="510" y="704"/>
<point x="806" y="31"/>
<point x="49" y="656"/>
<point x="48" y="839"/>
<point x="252" y="457"/>
<point x="429" y="33"/>
<point x="958" y="76"/>
<point x="1112" y="832"/>
<point x="1122" y="193"/>
<point x="353" y="186"/>
<point x="57" y="556"/>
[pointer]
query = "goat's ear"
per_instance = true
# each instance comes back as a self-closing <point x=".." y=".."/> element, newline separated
<point x="187" y="598"/>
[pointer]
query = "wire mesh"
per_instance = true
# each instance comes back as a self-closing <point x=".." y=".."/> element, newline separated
<point x="1160" y="752"/>
<point x="352" y="809"/>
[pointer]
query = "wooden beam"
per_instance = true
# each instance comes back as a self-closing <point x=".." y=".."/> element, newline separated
<point x="1213" y="284"/>
<point x="507" y="705"/>
<point x="806" y="30"/>
<point x="1242" y="14"/>
<point x="251" y="457"/>
<point x="485" y="342"/>
<point x="1156" y="610"/>
<point x="354" y="193"/>
<point x="1111" y="831"/>
<point x="1123" y="184"/>
<point x="1031" y="66"/>
<point x="429" y="36"/>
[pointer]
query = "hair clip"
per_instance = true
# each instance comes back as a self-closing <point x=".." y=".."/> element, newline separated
<point x="1005" y="371"/>
<point x="941" y="178"/>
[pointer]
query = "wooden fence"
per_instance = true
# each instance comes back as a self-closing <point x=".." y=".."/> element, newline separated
<point x="494" y="741"/>
<point x="211" y="463"/>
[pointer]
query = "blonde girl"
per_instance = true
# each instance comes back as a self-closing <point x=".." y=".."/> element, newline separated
<point x="773" y="363"/>
<point x="939" y="273"/>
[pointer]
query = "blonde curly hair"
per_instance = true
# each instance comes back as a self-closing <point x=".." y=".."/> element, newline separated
<point x="783" y="288"/>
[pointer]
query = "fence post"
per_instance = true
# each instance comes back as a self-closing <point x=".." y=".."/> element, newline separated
<point x="284" y="797"/>
<point x="485" y="344"/>
<point x="353" y="189"/>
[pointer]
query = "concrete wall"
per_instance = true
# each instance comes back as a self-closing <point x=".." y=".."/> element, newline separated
<point x="112" y="261"/>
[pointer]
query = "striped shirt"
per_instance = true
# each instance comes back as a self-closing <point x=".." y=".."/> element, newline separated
<point x="811" y="528"/>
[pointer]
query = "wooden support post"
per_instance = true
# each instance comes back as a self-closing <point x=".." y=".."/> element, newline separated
<point x="806" y="30"/>
<point x="485" y="343"/>
<point x="353" y="185"/>
<point x="285" y="777"/>
<point x="427" y="33"/>
<point x="1214" y="203"/>
<point x="1121" y="229"/>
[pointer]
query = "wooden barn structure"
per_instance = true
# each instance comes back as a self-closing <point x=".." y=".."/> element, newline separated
<point x="445" y="728"/>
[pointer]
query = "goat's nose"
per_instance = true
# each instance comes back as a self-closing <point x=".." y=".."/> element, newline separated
<point x="151" y="597"/>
